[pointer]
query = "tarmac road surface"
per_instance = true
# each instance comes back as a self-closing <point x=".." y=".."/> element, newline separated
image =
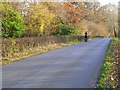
<point x="76" y="66"/>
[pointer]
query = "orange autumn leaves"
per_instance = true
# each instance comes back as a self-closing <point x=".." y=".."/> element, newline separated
<point x="74" y="12"/>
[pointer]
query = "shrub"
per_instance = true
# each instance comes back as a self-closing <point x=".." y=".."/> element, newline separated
<point x="12" y="22"/>
<point x="18" y="48"/>
<point x="65" y="29"/>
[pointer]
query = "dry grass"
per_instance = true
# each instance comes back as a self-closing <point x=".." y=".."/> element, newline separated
<point x="17" y="49"/>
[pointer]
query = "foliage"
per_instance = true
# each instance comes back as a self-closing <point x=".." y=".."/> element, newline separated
<point x="119" y="20"/>
<point x="103" y="16"/>
<point x="12" y="22"/>
<point x="64" y="29"/>
<point x="109" y="76"/>
<point x="38" y="19"/>
<point x="19" y="48"/>
<point x="74" y="12"/>
<point x="44" y="18"/>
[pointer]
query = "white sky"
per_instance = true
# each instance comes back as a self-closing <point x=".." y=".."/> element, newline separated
<point x="103" y="2"/>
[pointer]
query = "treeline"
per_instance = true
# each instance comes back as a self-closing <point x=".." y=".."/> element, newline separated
<point x="21" y="19"/>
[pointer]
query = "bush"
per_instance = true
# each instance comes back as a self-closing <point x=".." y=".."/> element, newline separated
<point x="65" y="29"/>
<point x="18" y="48"/>
<point x="12" y="22"/>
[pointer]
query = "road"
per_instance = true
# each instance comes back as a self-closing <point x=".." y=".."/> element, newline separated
<point x="76" y="66"/>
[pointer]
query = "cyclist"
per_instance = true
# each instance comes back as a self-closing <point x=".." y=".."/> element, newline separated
<point x="86" y="36"/>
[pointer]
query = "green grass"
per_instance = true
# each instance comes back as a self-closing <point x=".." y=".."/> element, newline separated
<point x="108" y="76"/>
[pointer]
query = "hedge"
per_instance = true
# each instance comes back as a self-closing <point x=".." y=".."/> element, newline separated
<point x="14" y="49"/>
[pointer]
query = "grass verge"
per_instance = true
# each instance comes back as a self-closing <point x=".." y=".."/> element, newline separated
<point x="110" y="74"/>
<point x="35" y="51"/>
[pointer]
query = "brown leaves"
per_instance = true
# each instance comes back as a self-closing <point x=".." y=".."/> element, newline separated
<point x="110" y="73"/>
<point x="73" y="12"/>
<point x="19" y="48"/>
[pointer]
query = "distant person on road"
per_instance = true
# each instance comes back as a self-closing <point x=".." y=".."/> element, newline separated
<point x="86" y="36"/>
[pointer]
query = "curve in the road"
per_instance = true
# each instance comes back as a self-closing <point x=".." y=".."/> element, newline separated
<point x="75" y="66"/>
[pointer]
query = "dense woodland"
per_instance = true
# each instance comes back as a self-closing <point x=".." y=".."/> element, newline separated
<point x="30" y="28"/>
<point x="23" y="19"/>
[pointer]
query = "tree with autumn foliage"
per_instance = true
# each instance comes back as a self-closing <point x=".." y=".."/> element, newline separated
<point x="12" y="21"/>
<point x="48" y="18"/>
<point x="38" y="19"/>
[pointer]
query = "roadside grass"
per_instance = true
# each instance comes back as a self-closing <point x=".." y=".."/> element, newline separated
<point x="109" y="75"/>
<point x="37" y="50"/>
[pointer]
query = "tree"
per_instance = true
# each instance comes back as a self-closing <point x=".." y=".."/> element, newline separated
<point x="119" y="19"/>
<point x="12" y="21"/>
<point x="102" y="16"/>
<point x="112" y="19"/>
<point x="74" y="12"/>
<point x="38" y="19"/>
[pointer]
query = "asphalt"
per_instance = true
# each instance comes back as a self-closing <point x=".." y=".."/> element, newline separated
<point x="76" y="66"/>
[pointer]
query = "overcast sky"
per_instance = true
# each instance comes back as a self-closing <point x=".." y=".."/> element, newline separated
<point x="103" y="2"/>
